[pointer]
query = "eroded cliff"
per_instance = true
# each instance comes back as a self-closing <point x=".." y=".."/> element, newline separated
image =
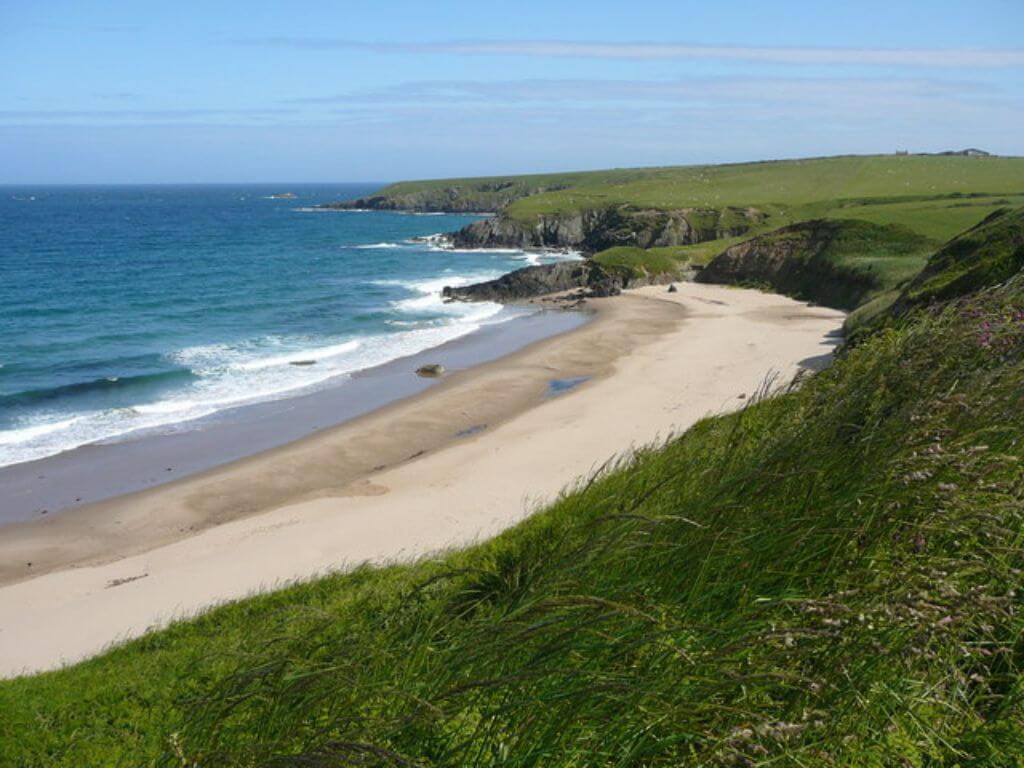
<point x="594" y="230"/>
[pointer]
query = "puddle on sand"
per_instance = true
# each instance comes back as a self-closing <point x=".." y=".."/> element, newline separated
<point x="561" y="386"/>
<point x="476" y="428"/>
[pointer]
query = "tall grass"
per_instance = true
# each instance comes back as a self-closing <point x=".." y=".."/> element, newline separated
<point x="829" y="577"/>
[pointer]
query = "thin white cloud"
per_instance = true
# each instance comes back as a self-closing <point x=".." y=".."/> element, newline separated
<point x="736" y="91"/>
<point x="135" y="115"/>
<point x="640" y="51"/>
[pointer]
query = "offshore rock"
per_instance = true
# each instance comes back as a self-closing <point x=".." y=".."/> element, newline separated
<point x="588" y="278"/>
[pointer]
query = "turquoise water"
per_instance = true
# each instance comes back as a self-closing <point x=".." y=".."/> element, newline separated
<point x="144" y="308"/>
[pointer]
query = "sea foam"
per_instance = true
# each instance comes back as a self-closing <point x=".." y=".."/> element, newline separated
<point x="239" y="304"/>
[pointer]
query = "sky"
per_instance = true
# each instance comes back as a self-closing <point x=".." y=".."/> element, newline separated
<point x="222" y="91"/>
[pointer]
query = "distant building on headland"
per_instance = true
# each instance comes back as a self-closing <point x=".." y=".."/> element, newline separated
<point x="969" y="152"/>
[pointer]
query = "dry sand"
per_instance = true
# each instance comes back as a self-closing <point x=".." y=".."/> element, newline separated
<point x="413" y="478"/>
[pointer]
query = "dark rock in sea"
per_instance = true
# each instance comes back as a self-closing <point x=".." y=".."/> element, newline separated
<point x="303" y="362"/>
<point x="531" y="282"/>
<point x="672" y="288"/>
<point x="430" y="371"/>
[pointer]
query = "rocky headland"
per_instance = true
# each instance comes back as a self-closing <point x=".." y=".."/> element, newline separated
<point x="592" y="230"/>
<point x="584" y="279"/>
<point x="458" y="197"/>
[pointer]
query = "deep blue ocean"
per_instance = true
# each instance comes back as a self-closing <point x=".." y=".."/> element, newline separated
<point x="142" y="308"/>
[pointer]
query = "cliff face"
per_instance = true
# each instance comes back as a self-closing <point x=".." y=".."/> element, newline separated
<point x="596" y="230"/>
<point x="797" y="260"/>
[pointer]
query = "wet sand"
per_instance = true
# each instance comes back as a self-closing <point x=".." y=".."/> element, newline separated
<point x="444" y="468"/>
<point x="39" y="489"/>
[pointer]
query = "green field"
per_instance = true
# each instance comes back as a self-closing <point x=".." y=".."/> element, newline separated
<point x="937" y="196"/>
<point x="640" y="262"/>
<point x="667" y="259"/>
<point x="831" y="577"/>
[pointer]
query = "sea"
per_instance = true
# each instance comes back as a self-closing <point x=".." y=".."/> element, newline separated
<point x="134" y="309"/>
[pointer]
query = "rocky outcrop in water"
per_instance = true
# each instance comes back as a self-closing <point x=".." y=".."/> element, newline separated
<point x="530" y="282"/>
<point x="597" y="229"/>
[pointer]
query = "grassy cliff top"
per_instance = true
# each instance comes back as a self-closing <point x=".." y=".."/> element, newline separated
<point x="935" y="195"/>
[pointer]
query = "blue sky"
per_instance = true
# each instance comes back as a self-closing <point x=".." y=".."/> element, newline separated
<point x="345" y="91"/>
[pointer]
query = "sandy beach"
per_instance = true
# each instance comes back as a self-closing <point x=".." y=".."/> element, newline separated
<point x="458" y="463"/>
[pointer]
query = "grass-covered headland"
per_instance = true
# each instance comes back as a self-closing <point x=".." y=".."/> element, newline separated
<point x="857" y="226"/>
<point x="830" y="577"/>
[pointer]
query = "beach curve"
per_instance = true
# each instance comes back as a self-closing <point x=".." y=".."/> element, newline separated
<point x="122" y="567"/>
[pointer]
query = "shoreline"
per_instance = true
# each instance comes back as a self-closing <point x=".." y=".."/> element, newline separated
<point x="443" y="468"/>
<point x="45" y="488"/>
<point x="322" y="462"/>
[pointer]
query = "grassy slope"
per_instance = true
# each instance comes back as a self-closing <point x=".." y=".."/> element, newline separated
<point x="840" y="263"/>
<point x="490" y="193"/>
<point x="846" y="187"/>
<point x="936" y="196"/>
<point x="665" y="259"/>
<point x="985" y="254"/>
<point x="831" y="577"/>
<point x="640" y="262"/>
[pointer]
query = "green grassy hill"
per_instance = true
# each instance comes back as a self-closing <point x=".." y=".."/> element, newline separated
<point x="640" y="262"/>
<point x="936" y="196"/>
<point x="694" y="213"/>
<point x="831" y="577"/>
<point x="836" y="262"/>
<point x="928" y="189"/>
<point x="986" y="254"/>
